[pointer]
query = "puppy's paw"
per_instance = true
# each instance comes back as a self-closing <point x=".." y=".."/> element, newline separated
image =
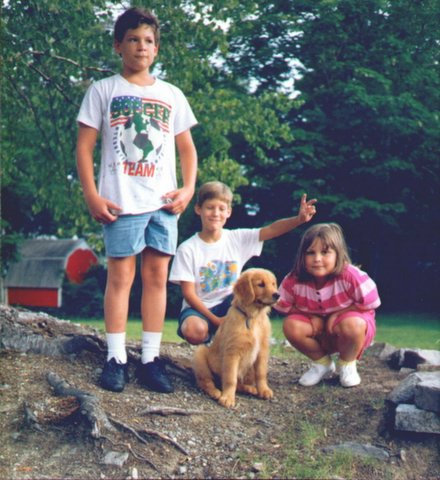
<point x="213" y="392"/>
<point x="249" y="389"/>
<point x="227" y="401"/>
<point x="265" y="393"/>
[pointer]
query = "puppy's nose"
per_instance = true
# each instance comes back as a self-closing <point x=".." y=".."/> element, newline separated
<point x="276" y="296"/>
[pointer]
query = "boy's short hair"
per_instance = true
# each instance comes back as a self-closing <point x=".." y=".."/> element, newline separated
<point x="133" y="18"/>
<point x="216" y="190"/>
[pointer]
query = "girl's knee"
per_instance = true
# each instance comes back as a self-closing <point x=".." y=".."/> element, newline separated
<point x="295" y="329"/>
<point x="351" y="327"/>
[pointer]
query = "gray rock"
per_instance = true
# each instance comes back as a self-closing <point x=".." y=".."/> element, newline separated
<point x="427" y="394"/>
<point x="387" y="351"/>
<point x="409" y="418"/>
<point x="115" y="458"/>
<point x="363" y="450"/>
<point x="412" y="357"/>
<point x="405" y="390"/>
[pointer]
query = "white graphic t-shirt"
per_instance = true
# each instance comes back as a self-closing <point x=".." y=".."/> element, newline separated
<point x="215" y="267"/>
<point x="138" y="126"/>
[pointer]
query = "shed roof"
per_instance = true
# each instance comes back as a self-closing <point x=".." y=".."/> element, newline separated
<point x="42" y="263"/>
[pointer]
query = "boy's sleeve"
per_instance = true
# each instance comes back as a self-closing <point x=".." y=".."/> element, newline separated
<point x="248" y="242"/>
<point x="182" y="269"/>
<point x="184" y="118"/>
<point x="90" y="112"/>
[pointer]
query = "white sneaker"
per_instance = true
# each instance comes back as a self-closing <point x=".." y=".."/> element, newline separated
<point x="348" y="375"/>
<point x="316" y="373"/>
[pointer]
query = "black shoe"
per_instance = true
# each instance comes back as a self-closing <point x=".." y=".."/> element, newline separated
<point x="114" y="376"/>
<point x="153" y="376"/>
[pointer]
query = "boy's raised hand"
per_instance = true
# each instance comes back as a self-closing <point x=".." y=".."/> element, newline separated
<point x="307" y="209"/>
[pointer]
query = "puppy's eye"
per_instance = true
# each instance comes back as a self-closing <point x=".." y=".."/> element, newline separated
<point x="261" y="284"/>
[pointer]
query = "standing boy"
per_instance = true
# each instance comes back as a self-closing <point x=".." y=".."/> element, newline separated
<point x="209" y="263"/>
<point x="141" y="119"/>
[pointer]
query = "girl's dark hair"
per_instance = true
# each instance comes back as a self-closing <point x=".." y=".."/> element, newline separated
<point x="133" y="18"/>
<point x="331" y="236"/>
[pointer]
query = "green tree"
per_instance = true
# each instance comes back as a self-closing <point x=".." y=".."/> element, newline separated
<point x="336" y="98"/>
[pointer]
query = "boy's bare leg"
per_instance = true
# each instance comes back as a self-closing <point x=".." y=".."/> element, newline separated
<point x="154" y="272"/>
<point x="120" y="276"/>
<point x="195" y="330"/>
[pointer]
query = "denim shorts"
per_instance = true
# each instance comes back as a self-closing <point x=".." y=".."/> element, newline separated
<point x="130" y="234"/>
<point x="219" y="310"/>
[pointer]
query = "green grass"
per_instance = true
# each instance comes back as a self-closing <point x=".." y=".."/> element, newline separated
<point x="302" y="458"/>
<point x="400" y="330"/>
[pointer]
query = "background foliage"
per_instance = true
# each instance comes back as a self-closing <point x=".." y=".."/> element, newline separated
<point x="336" y="98"/>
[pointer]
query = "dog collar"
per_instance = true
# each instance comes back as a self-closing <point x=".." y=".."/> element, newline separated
<point x="244" y="315"/>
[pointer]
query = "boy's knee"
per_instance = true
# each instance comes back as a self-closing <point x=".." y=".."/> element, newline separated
<point x="120" y="282"/>
<point x="194" y="330"/>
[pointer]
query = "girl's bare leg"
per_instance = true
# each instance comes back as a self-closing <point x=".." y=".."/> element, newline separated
<point x="302" y="336"/>
<point x="350" y="337"/>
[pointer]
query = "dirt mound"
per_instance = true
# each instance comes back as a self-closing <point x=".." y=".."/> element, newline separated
<point x="187" y="435"/>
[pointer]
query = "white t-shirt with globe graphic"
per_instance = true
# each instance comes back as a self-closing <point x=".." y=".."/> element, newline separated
<point x="138" y="126"/>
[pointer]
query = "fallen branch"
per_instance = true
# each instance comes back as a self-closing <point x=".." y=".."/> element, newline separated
<point x="154" y="433"/>
<point x="165" y="411"/>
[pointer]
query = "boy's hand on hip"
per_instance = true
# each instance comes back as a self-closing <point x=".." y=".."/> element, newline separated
<point x="177" y="200"/>
<point x="103" y="210"/>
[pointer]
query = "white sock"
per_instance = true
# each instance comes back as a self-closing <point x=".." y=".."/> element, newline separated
<point x="116" y="347"/>
<point x="150" y="346"/>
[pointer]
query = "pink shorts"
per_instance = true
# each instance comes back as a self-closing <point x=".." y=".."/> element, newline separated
<point x="368" y="316"/>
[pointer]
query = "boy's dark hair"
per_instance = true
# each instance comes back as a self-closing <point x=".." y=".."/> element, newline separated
<point x="133" y="18"/>
<point x="217" y="190"/>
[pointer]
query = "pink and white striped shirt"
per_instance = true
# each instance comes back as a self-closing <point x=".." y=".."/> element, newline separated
<point x="351" y="287"/>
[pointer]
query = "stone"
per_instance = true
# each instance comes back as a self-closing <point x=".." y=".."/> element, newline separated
<point x="386" y="351"/>
<point x="405" y="390"/>
<point x="412" y="357"/>
<point x="363" y="450"/>
<point x="115" y="458"/>
<point x="409" y="418"/>
<point x="427" y="395"/>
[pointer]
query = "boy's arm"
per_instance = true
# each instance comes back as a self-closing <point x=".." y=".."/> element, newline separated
<point x="191" y="297"/>
<point x="98" y="206"/>
<point x="188" y="163"/>
<point x="306" y="212"/>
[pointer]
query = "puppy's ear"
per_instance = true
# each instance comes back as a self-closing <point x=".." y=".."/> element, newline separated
<point x="244" y="290"/>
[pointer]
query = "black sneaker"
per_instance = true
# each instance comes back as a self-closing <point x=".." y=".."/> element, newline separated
<point x="114" y="376"/>
<point x="153" y="376"/>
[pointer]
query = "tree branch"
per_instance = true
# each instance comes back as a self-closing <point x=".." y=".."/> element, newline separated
<point x="69" y="60"/>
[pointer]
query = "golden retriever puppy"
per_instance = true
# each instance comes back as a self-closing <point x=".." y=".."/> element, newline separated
<point x="239" y="353"/>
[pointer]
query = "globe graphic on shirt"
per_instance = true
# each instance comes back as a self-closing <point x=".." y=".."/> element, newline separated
<point x="141" y="139"/>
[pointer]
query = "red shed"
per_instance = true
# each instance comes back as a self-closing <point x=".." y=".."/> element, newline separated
<point x="36" y="279"/>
